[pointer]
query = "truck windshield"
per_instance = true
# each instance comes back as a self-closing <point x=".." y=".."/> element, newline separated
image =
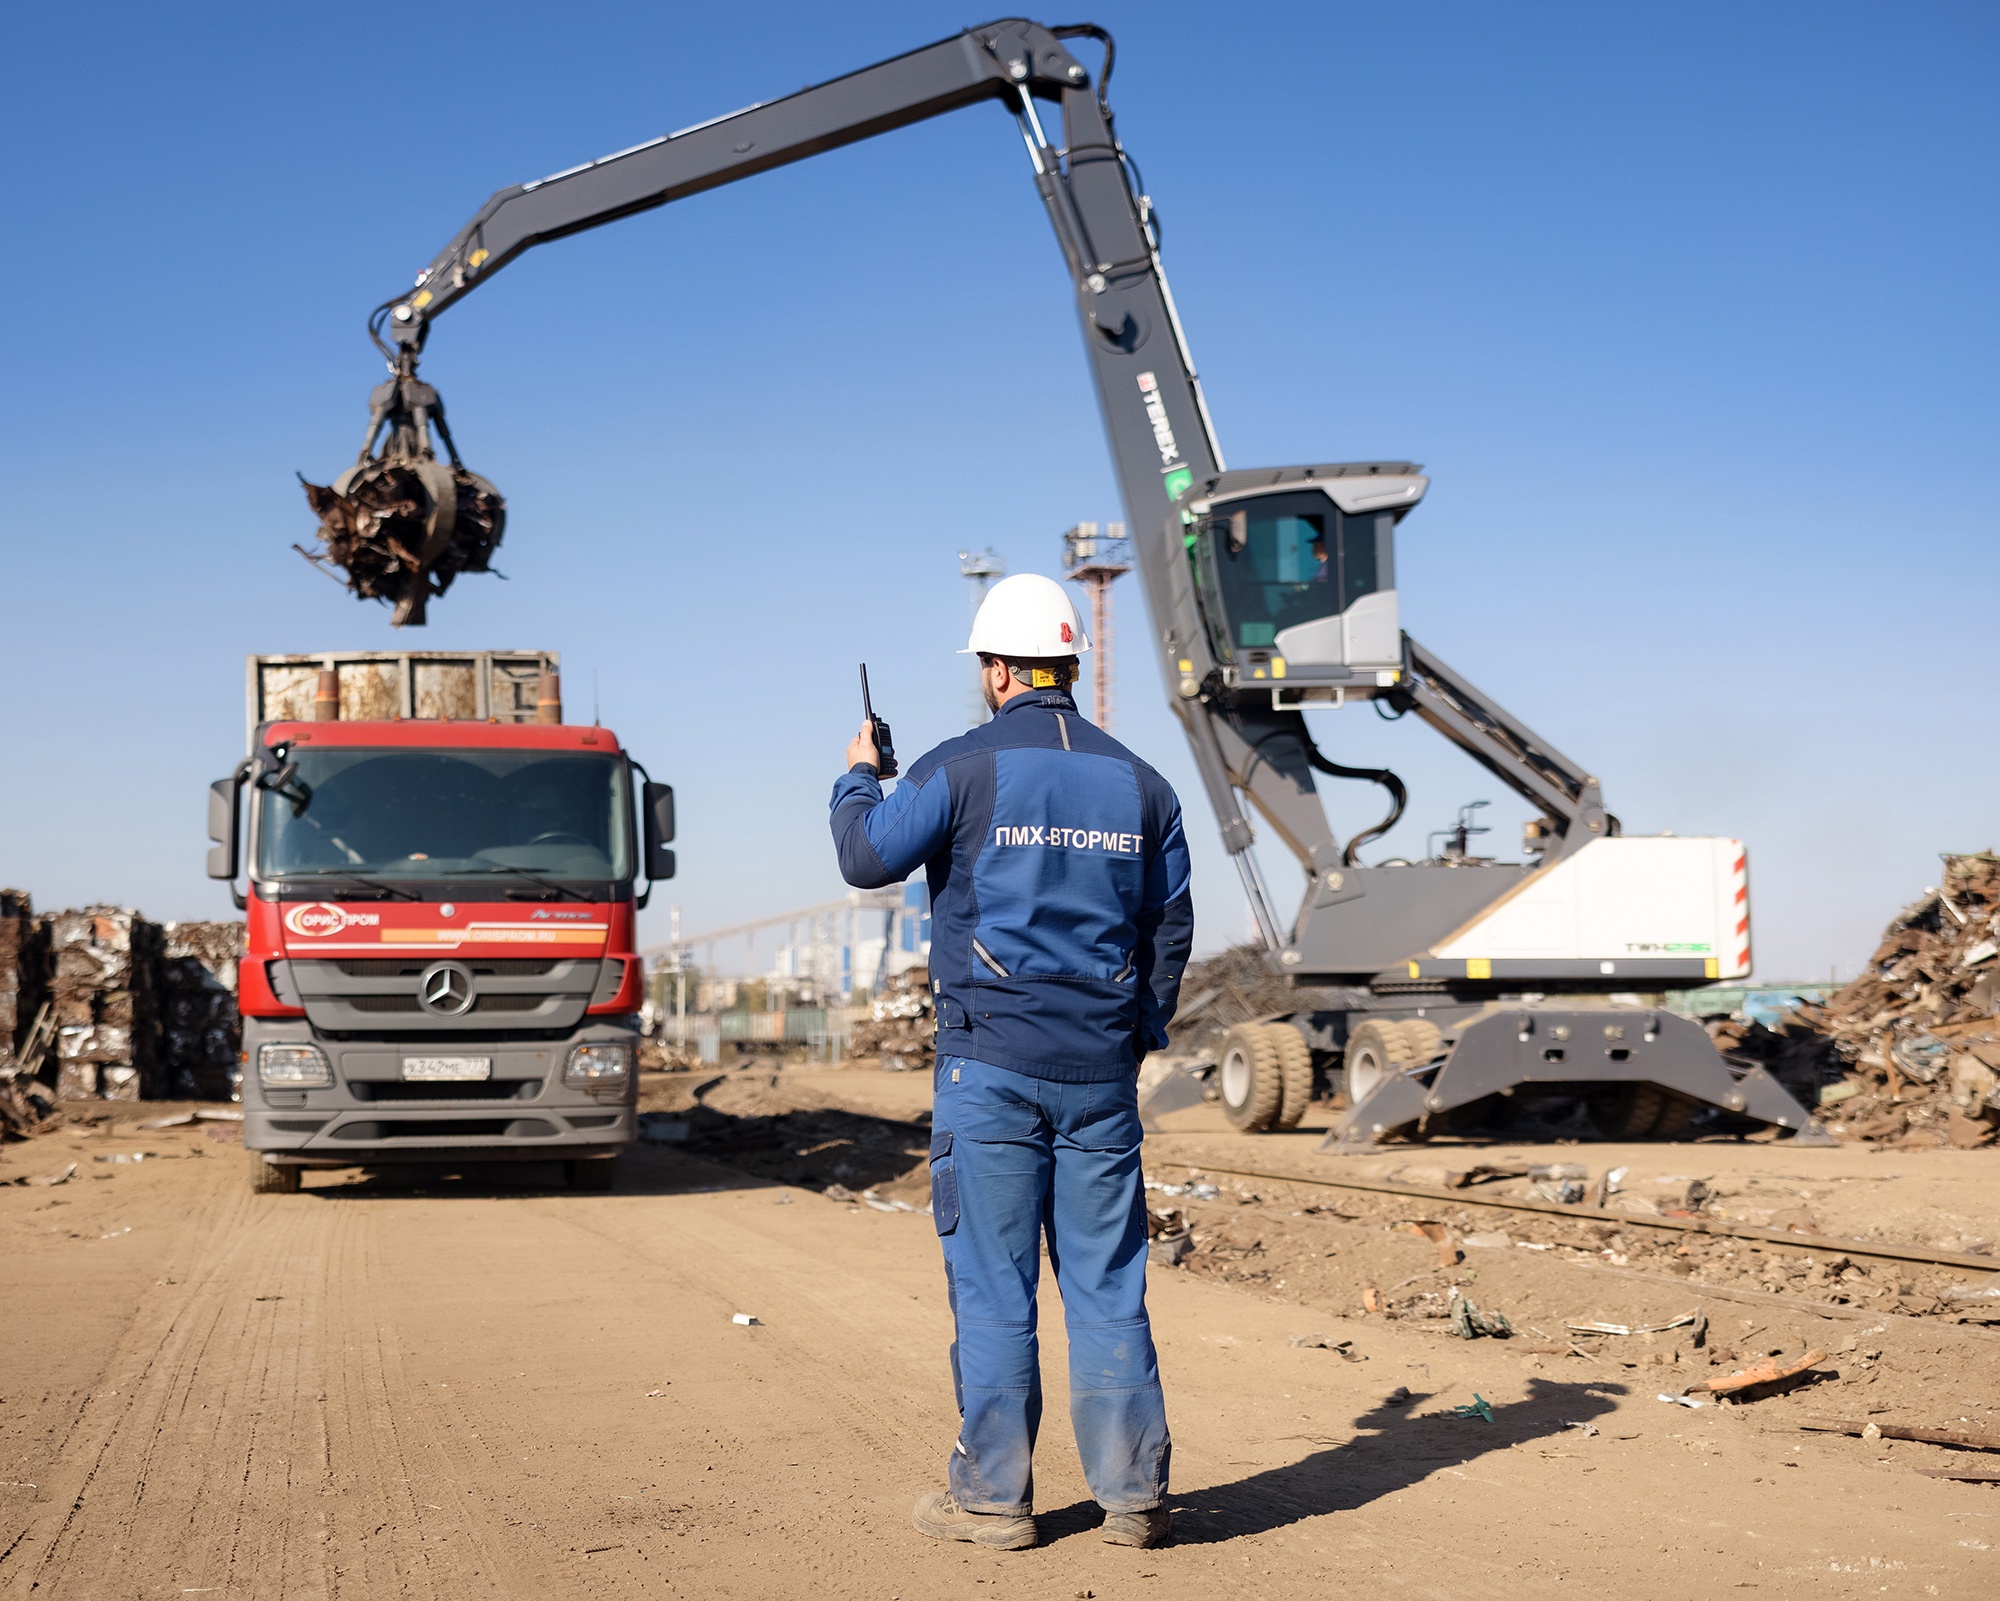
<point x="1298" y="560"/>
<point x="435" y="814"/>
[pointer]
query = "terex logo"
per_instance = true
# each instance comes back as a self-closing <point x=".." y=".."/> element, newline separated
<point x="1156" y="418"/>
<point x="318" y="919"/>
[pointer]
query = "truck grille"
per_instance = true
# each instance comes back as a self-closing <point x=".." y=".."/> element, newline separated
<point x="347" y="995"/>
<point x="481" y="1004"/>
<point x="403" y="967"/>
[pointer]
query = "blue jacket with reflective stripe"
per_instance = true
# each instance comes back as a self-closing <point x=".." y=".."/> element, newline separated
<point x="1060" y="914"/>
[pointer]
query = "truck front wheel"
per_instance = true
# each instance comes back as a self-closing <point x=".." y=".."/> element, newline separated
<point x="273" y="1178"/>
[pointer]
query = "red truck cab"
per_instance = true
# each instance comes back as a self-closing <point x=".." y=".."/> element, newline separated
<point x="442" y="961"/>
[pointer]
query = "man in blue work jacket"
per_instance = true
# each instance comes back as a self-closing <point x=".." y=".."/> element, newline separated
<point x="1060" y="927"/>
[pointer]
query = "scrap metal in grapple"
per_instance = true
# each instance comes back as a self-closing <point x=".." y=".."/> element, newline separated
<point x="399" y="525"/>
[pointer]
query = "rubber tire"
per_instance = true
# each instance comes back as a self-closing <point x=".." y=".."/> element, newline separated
<point x="592" y="1175"/>
<point x="1677" y="1115"/>
<point x="1375" y="1051"/>
<point x="1423" y="1037"/>
<point x="1295" y="1073"/>
<point x="1249" y="1066"/>
<point x="1633" y="1111"/>
<point x="272" y="1178"/>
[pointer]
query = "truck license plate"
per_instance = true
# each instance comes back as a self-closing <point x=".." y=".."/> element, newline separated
<point x="445" y="1067"/>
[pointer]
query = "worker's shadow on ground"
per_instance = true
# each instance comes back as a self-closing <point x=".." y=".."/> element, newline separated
<point x="1393" y="1448"/>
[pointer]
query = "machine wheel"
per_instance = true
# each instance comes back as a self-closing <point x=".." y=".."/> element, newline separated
<point x="272" y="1178"/>
<point x="1375" y="1051"/>
<point x="1677" y="1115"/>
<point x="1632" y="1112"/>
<point x="1423" y="1038"/>
<point x="1295" y="1072"/>
<point x="1252" y="1081"/>
<point x="592" y="1175"/>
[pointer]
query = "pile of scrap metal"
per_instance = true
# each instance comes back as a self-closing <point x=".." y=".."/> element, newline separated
<point x="899" y="1027"/>
<point x="23" y="964"/>
<point x="201" y="1032"/>
<point x="27" y="1106"/>
<point x="100" y="1003"/>
<point x="1795" y="1053"/>
<point x="1919" y="1030"/>
<point x="399" y="525"/>
<point x="1222" y="991"/>
<point x="106" y="1003"/>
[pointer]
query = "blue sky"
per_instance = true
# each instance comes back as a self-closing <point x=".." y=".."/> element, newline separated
<point x="1688" y="310"/>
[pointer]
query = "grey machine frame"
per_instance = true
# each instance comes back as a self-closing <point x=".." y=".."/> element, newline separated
<point x="1360" y="930"/>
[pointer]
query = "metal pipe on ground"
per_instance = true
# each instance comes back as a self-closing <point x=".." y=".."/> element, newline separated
<point x="1594" y="1214"/>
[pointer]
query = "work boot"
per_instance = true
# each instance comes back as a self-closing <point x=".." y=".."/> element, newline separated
<point x="939" y="1516"/>
<point x="1154" y="1526"/>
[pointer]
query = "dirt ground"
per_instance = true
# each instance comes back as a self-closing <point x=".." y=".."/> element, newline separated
<point x="483" y="1385"/>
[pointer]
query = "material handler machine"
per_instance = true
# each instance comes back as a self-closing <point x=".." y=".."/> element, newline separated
<point x="1442" y="989"/>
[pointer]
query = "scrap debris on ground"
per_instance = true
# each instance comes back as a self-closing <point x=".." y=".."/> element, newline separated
<point x="1240" y="1240"/>
<point x="745" y="1119"/>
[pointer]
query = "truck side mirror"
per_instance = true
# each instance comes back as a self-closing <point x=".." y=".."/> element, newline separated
<point x="657" y="804"/>
<point x="222" y="827"/>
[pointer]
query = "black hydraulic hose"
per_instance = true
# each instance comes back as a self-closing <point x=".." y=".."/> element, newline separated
<point x="1135" y="180"/>
<point x="1090" y="30"/>
<point x="1398" y="794"/>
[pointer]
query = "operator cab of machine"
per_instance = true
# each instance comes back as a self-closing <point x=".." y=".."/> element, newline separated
<point x="1294" y="570"/>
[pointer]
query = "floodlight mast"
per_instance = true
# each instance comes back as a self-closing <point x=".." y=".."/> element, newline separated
<point x="1097" y="561"/>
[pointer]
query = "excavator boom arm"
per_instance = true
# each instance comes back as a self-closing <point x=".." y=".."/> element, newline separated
<point x="1156" y="420"/>
<point x="995" y="62"/>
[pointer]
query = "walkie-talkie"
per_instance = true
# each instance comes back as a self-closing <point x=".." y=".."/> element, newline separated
<point x="885" y="747"/>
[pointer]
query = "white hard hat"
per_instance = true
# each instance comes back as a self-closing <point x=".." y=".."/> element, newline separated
<point x="1026" y="617"/>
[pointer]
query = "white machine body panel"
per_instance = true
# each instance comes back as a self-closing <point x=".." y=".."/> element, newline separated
<point x="1369" y="634"/>
<point x="1624" y="897"/>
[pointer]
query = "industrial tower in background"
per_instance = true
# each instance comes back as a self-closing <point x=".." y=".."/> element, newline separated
<point x="983" y="571"/>
<point x="1094" y="560"/>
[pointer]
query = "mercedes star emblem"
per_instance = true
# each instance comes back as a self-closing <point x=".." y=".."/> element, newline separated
<point x="445" y="989"/>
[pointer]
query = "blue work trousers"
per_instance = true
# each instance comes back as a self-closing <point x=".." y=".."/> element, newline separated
<point x="1015" y="1159"/>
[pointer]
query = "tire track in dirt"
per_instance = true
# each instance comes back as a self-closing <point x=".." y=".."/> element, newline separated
<point x="396" y="1522"/>
<point x="251" y="1438"/>
<point x="813" y="1377"/>
<point x="135" y="1487"/>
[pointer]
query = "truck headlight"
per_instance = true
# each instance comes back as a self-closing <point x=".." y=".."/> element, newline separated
<point x="293" y="1066"/>
<point x="598" y="1063"/>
